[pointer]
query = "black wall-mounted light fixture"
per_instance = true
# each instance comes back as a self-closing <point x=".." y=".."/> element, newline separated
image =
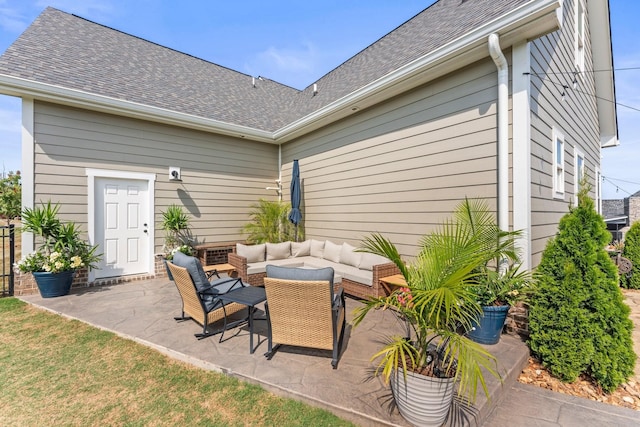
<point x="174" y="174"/>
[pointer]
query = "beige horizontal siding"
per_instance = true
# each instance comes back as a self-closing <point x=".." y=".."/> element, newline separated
<point x="576" y="118"/>
<point x="221" y="176"/>
<point x="400" y="168"/>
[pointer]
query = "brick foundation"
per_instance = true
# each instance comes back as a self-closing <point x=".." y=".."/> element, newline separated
<point x="25" y="284"/>
<point x="518" y="320"/>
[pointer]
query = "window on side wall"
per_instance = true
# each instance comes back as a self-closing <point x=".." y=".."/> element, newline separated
<point x="578" y="175"/>
<point x="558" y="164"/>
<point x="580" y="31"/>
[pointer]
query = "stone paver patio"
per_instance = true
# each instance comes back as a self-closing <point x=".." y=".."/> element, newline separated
<point x="144" y="311"/>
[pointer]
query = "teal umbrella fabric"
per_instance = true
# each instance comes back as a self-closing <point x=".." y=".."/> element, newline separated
<point x="295" y="216"/>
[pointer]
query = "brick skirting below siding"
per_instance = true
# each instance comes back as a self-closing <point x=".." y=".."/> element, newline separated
<point x="25" y="284"/>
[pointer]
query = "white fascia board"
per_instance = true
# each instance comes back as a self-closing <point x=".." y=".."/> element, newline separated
<point x="16" y="86"/>
<point x="601" y="51"/>
<point x="531" y="20"/>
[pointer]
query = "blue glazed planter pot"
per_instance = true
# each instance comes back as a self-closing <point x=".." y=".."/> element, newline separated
<point x="53" y="284"/>
<point x="488" y="328"/>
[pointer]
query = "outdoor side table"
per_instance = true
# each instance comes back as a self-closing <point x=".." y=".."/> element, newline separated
<point x="249" y="296"/>
<point x="229" y="269"/>
<point x="391" y="283"/>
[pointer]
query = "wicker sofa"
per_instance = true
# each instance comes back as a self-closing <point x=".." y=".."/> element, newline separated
<point x="358" y="273"/>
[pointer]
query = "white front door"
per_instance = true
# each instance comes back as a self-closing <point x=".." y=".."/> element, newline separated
<point x="122" y="226"/>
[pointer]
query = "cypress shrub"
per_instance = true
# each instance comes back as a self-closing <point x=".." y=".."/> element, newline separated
<point x="632" y="252"/>
<point x="578" y="320"/>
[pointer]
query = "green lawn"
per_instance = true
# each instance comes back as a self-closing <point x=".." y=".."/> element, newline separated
<point x="55" y="371"/>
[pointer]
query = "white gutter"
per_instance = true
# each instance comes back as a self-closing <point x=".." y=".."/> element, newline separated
<point x="503" y="130"/>
<point x="20" y="87"/>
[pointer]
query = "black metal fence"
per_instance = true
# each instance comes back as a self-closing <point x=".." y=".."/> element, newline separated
<point x="8" y="258"/>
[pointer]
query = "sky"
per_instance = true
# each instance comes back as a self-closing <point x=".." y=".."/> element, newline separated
<point x="296" y="42"/>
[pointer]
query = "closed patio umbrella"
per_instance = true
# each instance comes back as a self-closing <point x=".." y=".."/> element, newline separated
<point x="295" y="215"/>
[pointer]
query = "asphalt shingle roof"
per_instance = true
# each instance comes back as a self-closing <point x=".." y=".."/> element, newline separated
<point x="68" y="51"/>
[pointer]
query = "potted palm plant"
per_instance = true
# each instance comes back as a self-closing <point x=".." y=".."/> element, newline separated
<point x="61" y="253"/>
<point x="499" y="283"/>
<point x="436" y="305"/>
<point x="269" y="223"/>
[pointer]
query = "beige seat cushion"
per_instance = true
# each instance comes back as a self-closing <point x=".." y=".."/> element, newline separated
<point x="299" y="249"/>
<point x="331" y="251"/>
<point x="278" y="250"/>
<point x="253" y="253"/>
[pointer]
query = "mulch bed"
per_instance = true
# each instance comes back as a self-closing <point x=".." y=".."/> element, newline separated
<point x="627" y="395"/>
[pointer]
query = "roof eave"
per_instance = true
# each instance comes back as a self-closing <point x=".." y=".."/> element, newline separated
<point x="525" y="23"/>
<point x="602" y="52"/>
<point x="532" y="20"/>
<point x="20" y="87"/>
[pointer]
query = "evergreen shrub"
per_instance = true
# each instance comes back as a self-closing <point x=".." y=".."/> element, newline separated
<point x="579" y="323"/>
<point x="632" y="253"/>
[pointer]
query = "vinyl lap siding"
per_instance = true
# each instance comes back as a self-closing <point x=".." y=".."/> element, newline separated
<point x="576" y="118"/>
<point x="221" y="176"/>
<point x="400" y="168"/>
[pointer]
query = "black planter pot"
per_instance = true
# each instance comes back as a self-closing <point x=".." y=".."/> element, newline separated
<point x="53" y="284"/>
<point x="166" y="267"/>
<point x="488" y="328"/>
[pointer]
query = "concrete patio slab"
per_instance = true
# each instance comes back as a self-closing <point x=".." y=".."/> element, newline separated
<point x="144" y="311"/>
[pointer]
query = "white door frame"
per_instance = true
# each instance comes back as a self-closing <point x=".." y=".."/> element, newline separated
<point x="92" y="174"/>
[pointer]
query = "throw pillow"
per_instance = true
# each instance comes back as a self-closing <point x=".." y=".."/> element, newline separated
<point x="369" y="260"/>
<point x="194" y="267"/>
<point x="331" y="251"/>
<point x="348" y="256"/>
<point x="278" y="250"/>
<point x="253" y="253"/>
<point x="317" y="247"/>
<point x="299" y="249"/>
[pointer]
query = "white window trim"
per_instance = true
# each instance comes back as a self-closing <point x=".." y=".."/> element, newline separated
<point x="580" y="21"/>
<point x="558" y="178"/>
<point x="577" y="175"/>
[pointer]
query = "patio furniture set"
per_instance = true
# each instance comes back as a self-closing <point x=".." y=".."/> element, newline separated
<point x="359" y="274"/>
<point x="301" y="307"/>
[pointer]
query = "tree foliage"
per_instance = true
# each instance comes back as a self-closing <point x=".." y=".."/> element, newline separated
<point x="632" y="252"/>
<point x="578" y="320"/>
<point x="10" y="196"/>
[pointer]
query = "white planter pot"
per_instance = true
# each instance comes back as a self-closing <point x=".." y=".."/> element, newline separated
<point x="422" y="400"/>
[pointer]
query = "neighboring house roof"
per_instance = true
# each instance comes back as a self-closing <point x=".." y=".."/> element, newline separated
<point x="67" y="59"/>
<point x="613" y="208"/>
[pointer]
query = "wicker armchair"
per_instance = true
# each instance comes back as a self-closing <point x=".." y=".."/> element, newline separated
<point x="303" y="310"/>
<point x="200" y="300"/>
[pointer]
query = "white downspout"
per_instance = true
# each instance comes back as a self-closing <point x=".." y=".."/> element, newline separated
<point x="280" y="172"/>
<point x="503" y="130"/>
